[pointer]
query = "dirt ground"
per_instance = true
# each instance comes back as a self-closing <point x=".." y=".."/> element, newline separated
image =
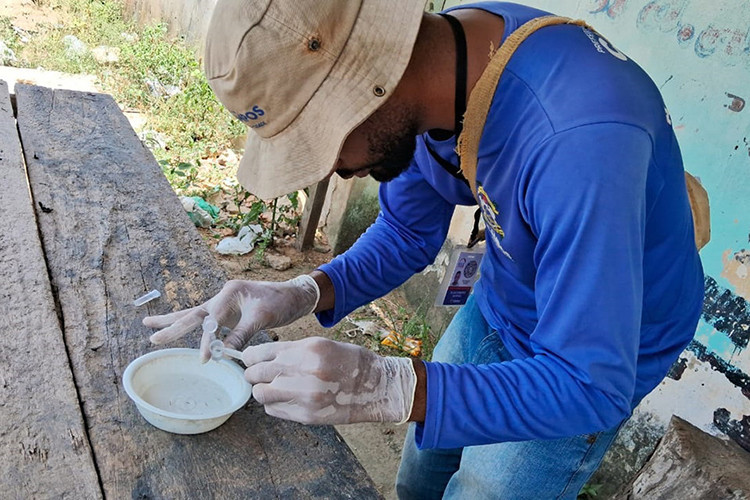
<point x="28" y="14"/>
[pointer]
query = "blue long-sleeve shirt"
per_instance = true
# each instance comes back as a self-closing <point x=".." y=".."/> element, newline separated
<point x="591" y="277"/>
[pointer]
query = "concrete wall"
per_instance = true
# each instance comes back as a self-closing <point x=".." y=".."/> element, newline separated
<point x="698" y="52"/>
<point x="351" y="207"/>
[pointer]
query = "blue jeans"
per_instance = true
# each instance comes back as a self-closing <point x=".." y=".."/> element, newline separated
<point x="537" y="470"/>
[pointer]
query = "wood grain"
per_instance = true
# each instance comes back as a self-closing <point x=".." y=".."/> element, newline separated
<point x="112" y="229"/>
<point x="45" y="449"/>
<point x="311" y="215"/>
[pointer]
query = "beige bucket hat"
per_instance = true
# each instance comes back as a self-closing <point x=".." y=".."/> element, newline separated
<point x="302" y="74"/>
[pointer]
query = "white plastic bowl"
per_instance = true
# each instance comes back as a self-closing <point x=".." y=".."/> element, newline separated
<point x="176" y="393"/>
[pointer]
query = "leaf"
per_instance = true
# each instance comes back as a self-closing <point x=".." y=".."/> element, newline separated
<point x="294" y="199"/>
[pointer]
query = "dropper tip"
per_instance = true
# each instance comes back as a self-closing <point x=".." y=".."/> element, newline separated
<point x="210" y="325"/>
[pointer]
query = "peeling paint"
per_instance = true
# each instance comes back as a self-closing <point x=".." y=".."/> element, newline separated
<point x="736" y="376"/>
<point x="700" y="392"/>
<point x="738" y="430"/>
<point x="737" y="273"/>
<point x="727" y="313"/>
<point x="677" y="369"/>
<point x="737" y="105"/>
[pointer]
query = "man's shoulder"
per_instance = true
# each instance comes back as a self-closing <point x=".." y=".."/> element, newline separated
<point x="578" y="77"/>
<point x="515" y="13"/>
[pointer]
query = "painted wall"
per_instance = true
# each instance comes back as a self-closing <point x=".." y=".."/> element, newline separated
<point x="698" y="52"/>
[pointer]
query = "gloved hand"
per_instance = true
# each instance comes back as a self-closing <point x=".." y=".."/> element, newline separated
<point x="244" y="306"/>
<point x="319" y="381"/>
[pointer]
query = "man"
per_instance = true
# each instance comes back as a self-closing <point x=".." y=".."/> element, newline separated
<point x="591" y="285"/>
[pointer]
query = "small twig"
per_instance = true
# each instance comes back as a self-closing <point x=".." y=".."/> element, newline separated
<point x="389" y="323"/>
<point x="273" y="220"/>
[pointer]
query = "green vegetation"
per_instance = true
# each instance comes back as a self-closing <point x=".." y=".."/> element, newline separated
<point x="152" y="67"/>
<point x="409" y="325"/>
<point x="414" y="325"/>
<point x="161" y="78"/>
<point x="8" y="35"/>
<point x="92" y="22"/>
<point x="589" y="492"/>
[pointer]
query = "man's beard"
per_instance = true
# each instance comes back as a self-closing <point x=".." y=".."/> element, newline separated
<point x="396" y="151"/>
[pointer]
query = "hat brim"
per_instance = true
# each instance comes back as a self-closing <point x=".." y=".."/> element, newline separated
<point x="307" y="150"/>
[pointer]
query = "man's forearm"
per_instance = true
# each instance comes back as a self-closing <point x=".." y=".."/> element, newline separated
<point x="327" y="292"/>
<point x="327" y="302"/>
<point x="419" y="408"/>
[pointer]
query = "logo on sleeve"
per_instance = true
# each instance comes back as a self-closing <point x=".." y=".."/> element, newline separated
<point x="602" y="45"/>
<point x="490" y="214"/>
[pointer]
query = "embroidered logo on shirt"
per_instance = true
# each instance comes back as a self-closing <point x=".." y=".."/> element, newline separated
<point x="489" y="214"/>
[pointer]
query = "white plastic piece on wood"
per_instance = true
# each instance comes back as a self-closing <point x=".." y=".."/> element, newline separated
<point x="153" y="294"/>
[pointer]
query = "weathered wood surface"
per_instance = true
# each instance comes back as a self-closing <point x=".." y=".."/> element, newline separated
<point x="43" y="443"/>
<point x="311" y="215"/>
<point x="691" y="464"/>
<point x="112" y="229"/>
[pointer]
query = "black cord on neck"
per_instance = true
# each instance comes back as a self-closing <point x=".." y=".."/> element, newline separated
<point x="459" y="101"/>
<point x="460" y="109"/>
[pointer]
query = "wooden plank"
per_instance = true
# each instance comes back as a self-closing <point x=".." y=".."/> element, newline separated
<point x="311" y="215"/>
<point x="44" y="445"/>
<point x="113" y="229"/>
<point x="47" y="78"/>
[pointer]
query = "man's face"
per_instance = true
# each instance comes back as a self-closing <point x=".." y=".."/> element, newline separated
<point x="382" y="146"/>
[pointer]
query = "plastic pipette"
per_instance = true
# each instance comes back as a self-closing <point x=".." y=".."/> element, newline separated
<point x="210" y="326"/>
<point x="217" y="348"/>
<point x="153" y="294"/>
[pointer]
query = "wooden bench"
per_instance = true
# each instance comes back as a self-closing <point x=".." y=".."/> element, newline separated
<point x="95" y="226"/>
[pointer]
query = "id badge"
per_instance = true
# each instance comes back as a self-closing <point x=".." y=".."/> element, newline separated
<point x="462" y="274"/>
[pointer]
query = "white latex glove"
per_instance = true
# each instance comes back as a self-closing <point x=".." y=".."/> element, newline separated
<point x="244" y="306"/>
<point x="319" y="381"/>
